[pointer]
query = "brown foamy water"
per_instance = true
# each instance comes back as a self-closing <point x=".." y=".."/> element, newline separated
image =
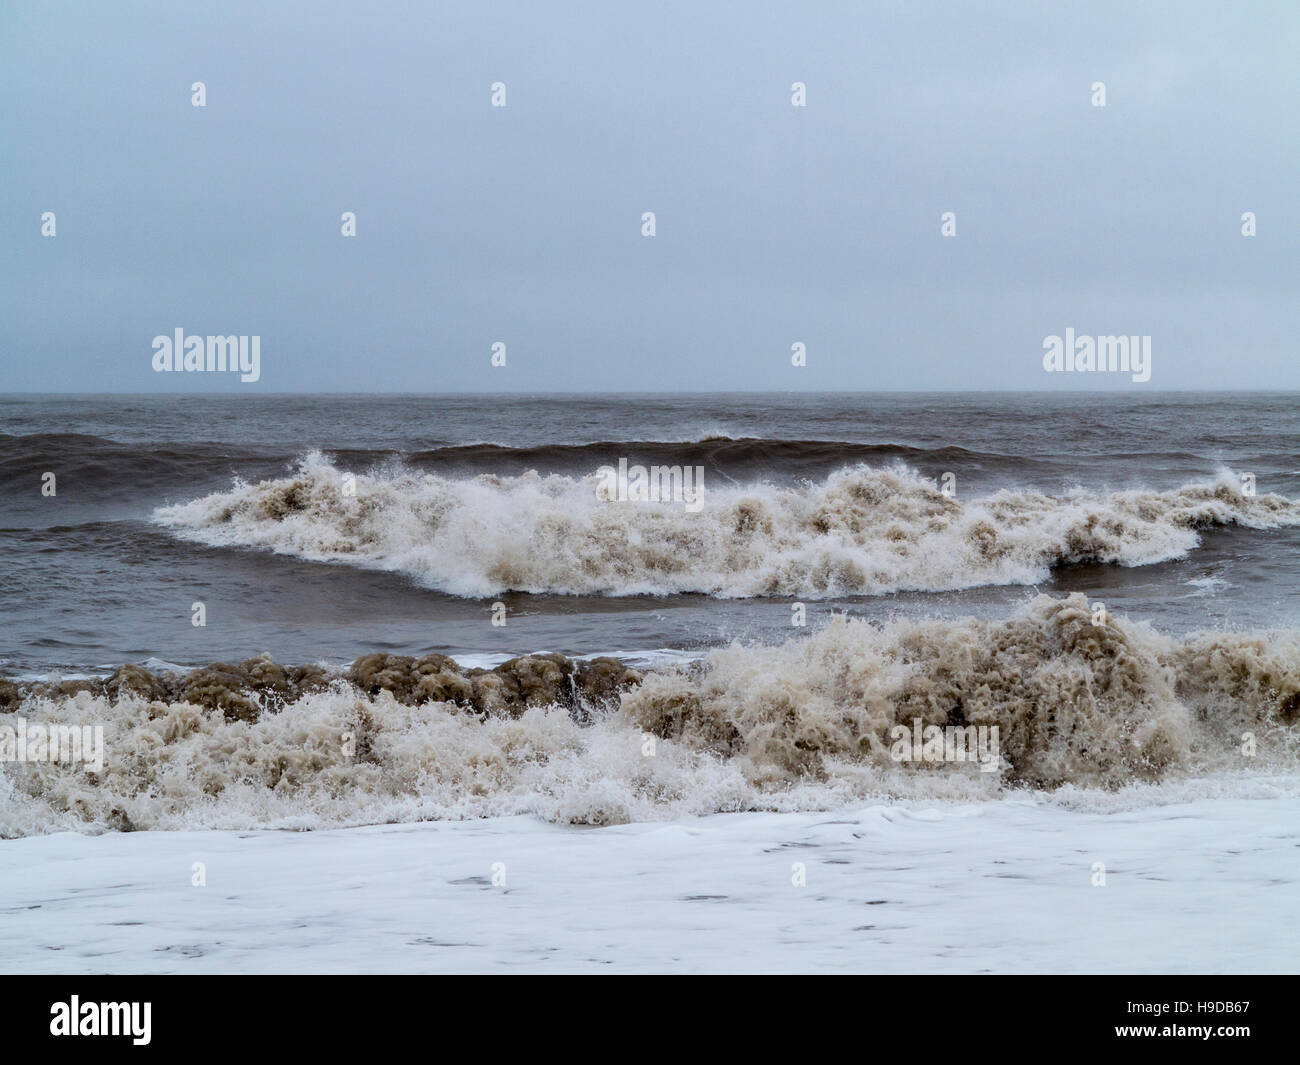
<point x="804" y="724"/>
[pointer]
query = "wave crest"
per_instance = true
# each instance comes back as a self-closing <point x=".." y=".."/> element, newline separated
<point x="862" y="530"/>
<point x="1092" y="710"/>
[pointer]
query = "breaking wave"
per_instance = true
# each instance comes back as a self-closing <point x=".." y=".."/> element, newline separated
<point x="863" y="530"/>
<point x="1086" y="711"/>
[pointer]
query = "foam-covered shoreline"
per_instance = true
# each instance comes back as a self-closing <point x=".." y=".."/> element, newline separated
<point x="805" y="724"/>
<point x="861" y="531"/>
<point x="890" y="888"/>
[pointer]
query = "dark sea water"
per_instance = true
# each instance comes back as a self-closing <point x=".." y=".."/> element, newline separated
<point x="103" y="573"/>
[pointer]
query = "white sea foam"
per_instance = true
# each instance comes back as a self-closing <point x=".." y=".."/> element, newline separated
<point x="1198" y="887"/>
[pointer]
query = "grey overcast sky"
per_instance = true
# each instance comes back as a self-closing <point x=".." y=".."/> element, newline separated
<point x="522" y="224"/>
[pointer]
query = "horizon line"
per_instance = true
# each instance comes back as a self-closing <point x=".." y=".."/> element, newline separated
<point x="702" y="392"/>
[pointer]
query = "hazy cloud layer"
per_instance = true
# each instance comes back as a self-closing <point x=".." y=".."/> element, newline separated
<point x="522" y="224"/>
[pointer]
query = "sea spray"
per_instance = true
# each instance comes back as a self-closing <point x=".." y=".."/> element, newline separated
<point x="861" y="531"/>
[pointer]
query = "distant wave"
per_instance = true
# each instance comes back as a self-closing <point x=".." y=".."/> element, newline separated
<point x="1085" y="707"/>
<point x="171" y="462"/>
<point x="106" y="469"/>
<point x="733" y="455"/>
<point x="109" y="469"/>
<point x="860" y="531"/>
